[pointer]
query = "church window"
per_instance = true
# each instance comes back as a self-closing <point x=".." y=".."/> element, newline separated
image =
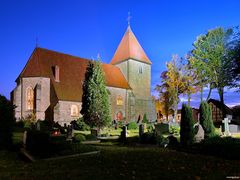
<point x="140" y="70"/>
<point x="30" y="98"/>
<point x="55" y="70"/>
<point x="119" y="101"/>
<point x="74" y="110"/>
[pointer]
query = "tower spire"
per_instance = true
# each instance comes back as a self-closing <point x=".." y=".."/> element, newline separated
<point x="129" y="18"/>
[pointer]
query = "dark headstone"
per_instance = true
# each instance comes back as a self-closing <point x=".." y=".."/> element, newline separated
<point x="161" y="128"/>
<point x="123" y="136"/>
<point x="141" y="129"/>
<point x="69" y="132"/>
<point x="38" y="125"/>
<point x="94" y="132"/>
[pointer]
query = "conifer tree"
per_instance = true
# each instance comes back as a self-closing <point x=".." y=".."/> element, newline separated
<point x="95" y="98"/>
<point x="186" y="124"/>
<point x="206" y="119"/>
<point x="6" y="122"/>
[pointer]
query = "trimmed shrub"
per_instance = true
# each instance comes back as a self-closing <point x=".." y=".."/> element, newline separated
<point x="186" y="126"/>
<point x="6" y="122"/>
<point x="132" y="125"/>
<point x="226" y="147"/>
<point x="81" y="125"/>
<point x="80" y="137"/>
<point x="206" y="119"/>
<point x="174" y="130"/>
<point x="145" y="120"/>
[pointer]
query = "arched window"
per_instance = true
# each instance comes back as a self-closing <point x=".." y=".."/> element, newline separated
<point x="119" y="100"/>
<point x="140" y="70"/>
<point x="74" y="110"/>
<point x="30" y="98"/>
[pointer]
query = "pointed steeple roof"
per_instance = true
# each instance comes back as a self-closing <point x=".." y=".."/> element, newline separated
<point x="129" y="48"/>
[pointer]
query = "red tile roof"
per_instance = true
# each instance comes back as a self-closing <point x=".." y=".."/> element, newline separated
<point x="129" y="47"/>
<point x="72" y="72"/>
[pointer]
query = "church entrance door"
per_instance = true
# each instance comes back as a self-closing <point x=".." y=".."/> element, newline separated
<point x="119" y="116"/>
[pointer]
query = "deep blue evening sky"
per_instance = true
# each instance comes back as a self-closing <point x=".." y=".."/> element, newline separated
<point x="86" y="28"/>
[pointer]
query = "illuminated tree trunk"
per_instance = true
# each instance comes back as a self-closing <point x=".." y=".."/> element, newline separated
<point x="220" y="92"/>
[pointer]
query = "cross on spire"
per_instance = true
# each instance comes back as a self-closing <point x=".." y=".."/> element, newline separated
<point x="129" y="18"/>
<point x="37" y="42"/>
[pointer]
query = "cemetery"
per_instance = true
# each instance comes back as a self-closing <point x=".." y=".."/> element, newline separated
<point x="121" y="149"/>
<point x="126" y="114"/>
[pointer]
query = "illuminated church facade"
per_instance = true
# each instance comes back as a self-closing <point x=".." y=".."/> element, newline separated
<point x="50" y="84"/>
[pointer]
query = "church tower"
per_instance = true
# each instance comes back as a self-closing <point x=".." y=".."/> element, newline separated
<point x="136" y="67"/>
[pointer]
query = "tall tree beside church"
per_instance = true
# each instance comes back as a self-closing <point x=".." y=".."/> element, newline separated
<point x="189" y="79"/>
<point x="174" y="81"/>
<point x="211" y="53"/>
<point x="95" y="98"/>
<point x="235" y="56"/>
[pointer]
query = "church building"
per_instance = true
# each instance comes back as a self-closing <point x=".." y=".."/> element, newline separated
<point x="50" y="84"/>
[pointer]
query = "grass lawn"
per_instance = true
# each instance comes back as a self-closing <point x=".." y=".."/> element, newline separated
<point x="120" y="162"/>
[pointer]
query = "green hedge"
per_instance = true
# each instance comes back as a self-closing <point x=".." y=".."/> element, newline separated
<point x="132" y="125"/>
<point x="186" y="126"/>
<point x="79" y="137"/>
<point x="225" y="147"/>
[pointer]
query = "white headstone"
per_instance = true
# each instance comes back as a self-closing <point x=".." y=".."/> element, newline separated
<point x="226" y="122"/>
<point x="200" y="133"/>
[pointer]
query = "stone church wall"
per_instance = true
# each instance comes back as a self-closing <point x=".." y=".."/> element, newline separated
<point x="62" y="112"/>
<point x="114" y="94"/>
<point x="43" y="97"/>
<point x="124" y="68"/>
<point x="140" y="82"/>
<point x="138" y="75"/>
<point x="17" y="101"/>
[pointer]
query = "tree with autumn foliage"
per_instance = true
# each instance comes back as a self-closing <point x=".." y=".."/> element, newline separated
<point x="174" y="81"/>
<point x="164" y="104"/>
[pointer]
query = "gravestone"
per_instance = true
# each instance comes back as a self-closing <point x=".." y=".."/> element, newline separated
<point x="24" y="139"/>
<point x="199" y="136"/>
<point x="141" y="130"/>
<point x="161" y="128"/>
<point x="233" y="128"/>
<point x="94" y="132"/>
<point x="124" y="134"/>
<point x="226" y="122"/>
<point x="70" y="132"/>
<point x="38" y="125"/>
